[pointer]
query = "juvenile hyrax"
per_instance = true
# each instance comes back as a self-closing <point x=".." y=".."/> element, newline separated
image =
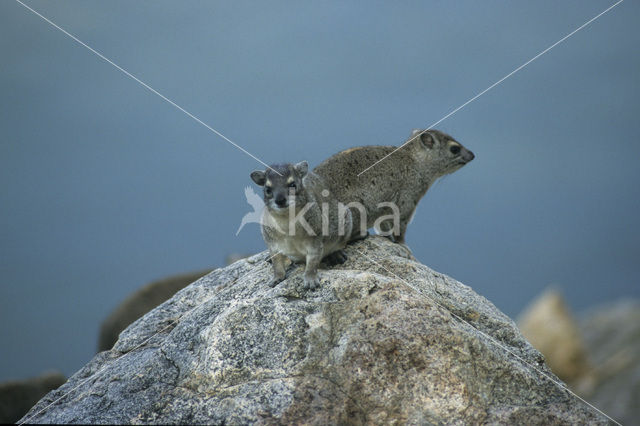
<point x="302" y="220"/>
<point x="386" y="195"/>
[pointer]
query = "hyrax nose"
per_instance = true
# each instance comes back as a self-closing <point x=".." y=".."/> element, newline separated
<point x="468" y="155"/>
<point x="281" y="200"/>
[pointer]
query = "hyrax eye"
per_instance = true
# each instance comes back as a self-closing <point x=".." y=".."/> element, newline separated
<point x="292" y="185"/>
<point x="455" y="149"/>
<point x="267" y="191"/>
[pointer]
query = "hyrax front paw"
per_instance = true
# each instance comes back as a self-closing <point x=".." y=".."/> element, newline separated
<point x="390" y="237"/>
<point x="311" y="282"/>
<point x="277" y="279"/>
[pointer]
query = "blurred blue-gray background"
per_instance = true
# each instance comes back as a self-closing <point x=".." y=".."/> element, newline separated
<point x="105" y="186"/>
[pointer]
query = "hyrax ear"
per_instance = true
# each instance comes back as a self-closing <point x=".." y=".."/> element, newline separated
<point x="415" y="132"/>
<point x="302" y="168"/>
<point x="427" y="140"/>
<point x="259" y="177"/>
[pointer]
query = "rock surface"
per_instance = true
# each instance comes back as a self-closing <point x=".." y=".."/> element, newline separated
<point x="383" y="340"/>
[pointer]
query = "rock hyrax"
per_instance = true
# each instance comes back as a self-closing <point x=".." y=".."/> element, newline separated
<point x="302" y="220"/>
<point x="392" y="188"/>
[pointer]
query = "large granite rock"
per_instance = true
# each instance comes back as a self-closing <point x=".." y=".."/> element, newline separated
<point x="383" y="340"/>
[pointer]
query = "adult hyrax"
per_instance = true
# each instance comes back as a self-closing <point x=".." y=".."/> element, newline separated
<point x="302" y="220"/>
<point x="386" y="195"/>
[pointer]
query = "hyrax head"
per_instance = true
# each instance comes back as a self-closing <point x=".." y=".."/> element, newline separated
<point x="282" y="185"/>
<point x="442" y="152"/>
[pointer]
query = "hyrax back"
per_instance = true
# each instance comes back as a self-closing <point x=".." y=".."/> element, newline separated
<point x="394" y="186"/>
<point x="302" y="219"/>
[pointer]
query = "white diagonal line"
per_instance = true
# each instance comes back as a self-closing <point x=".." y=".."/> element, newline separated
<point x="497" y="82"/>
<point x="491" y="338"/>
<point x="145" y="85"/>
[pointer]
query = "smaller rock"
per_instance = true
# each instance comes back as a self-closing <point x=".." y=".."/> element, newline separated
<point x="141" y="302"/>
<point x="18" y="396"/>
<point x="612" y="336"/>
<point x="551" y="328"/>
